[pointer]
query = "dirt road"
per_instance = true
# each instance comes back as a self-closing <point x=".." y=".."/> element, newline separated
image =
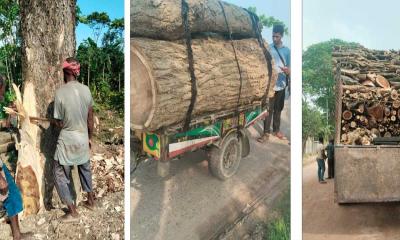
<point x="192" y="204"/>
<point x="324" y="219"/>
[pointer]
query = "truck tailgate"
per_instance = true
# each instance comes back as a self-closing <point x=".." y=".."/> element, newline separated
<point x="367" y="173"/>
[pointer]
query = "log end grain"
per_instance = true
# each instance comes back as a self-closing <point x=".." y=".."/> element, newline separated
<point x="142" y="90"/>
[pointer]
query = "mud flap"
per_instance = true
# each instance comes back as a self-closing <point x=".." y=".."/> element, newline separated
<point x="245" y="142"/>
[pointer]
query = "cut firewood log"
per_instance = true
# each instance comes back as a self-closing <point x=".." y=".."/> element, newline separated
<point x="368" y="83"/>
<point x="387" y="134"/>
<point x="363" y="120"/>
<point x="348" y="80"/>
<point x="353" y="124"/>
<point x="362" y="77"/>
<point x="361" y="108"/>
<point x="349" y="72"/>
<point x="376" y="112"/>
<point x="394" y="94"/>
<point x="382" y="82"/>
<point x="347" y="115"/>
<point x="387" y="112"/>
<point x="375" y="132"/>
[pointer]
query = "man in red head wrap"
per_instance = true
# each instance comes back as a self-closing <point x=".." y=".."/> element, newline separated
<point x="73" y="108"/>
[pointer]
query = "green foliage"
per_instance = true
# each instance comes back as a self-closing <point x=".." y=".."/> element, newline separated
<point x="279" y="227"/>
<point x="9" y="97"/>
<point x="319" y="86"/>
<point x="313" y="124"/>
<point x="102" y="66"/>
<point x="268" y="22"/>
<point x="10" y="41"/>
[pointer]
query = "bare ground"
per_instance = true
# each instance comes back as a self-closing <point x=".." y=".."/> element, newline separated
<point x="192" y="204"/>
<point x="324" y="219"/>
<point x="107" y="221"/>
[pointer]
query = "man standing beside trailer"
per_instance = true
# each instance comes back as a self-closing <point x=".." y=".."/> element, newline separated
<point x="281" y="55"/>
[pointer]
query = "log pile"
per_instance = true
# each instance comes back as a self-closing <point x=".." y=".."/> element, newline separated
<point x="161" y="83"/>
<point x="370" y="94"/>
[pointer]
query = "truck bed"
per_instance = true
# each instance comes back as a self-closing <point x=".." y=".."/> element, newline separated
<point x="367" y="173"/>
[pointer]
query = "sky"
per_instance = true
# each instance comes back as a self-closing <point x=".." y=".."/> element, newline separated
<point x="114" y="9"/>
<point x="373" y="24"/>
<point x="279" y="9"/>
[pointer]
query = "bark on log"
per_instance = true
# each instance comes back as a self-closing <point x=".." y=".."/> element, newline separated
<point x="161" y="85"/>
<point x="48" y="37"/>
<point x="161" y="19"/>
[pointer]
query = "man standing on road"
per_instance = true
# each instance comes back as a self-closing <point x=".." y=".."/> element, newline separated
<point x="321" y="160"/>
<point x="73" y="110"/>
<point x="281" y="55"/>
<point x="330" y="149"/>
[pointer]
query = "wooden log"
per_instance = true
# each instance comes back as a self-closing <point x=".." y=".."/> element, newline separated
<point x="361" y="108"/>
<point x="396" y="104"/>
<point x="348" y="80"/>
<point x="382" y="82"/>
<point x="387" y="134"/>
<point x="349" y="72"/>
<point x="387" y="112"/>
<point x="161" y="84"/>
<point x="347" y="115"/>
<point x="161" y="19"/>
<point x="394" y="95"/>
<point x="368" y="83"/>
<point x="362" y="77"/>
<point x="376" y="112"/>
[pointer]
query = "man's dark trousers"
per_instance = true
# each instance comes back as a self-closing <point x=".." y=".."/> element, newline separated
<point x="331" y="170"/>
<point x="276" y="104"/>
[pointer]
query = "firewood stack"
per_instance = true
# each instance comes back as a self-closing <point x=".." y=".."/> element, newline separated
<point x="370" y="100"/>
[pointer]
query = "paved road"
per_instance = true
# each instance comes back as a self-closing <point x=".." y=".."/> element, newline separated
<point x="324" y="219"/>
<point x="191" y="203"/>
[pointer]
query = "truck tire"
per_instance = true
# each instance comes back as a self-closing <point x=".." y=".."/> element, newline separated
<point x="224" y="160"/>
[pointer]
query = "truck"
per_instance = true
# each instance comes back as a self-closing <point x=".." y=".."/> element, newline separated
<point x="367" y="171"/>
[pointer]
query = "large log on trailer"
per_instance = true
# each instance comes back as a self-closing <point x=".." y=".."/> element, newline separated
<point x="161" y="83"/>
<point x="161" y="19"/>
<point x="48" y="37"/>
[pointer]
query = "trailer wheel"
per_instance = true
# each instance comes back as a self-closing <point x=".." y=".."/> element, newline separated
<point x="224" y="161"/>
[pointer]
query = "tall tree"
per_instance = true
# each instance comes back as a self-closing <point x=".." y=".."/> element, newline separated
<point x="318" y="82"/>
<point x="48" y="37"/>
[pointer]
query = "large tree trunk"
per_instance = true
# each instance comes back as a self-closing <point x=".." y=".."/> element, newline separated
<point x="48" y="34"/>
<point x="161" y="85"/>
<point x="161" y="19"/>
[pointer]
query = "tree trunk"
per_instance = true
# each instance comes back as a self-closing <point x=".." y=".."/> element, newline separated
<point x="48" y="37"/>
<point x="88" y="73"/>
<point x="161" y="85"/>
<point x="162" y="19"/>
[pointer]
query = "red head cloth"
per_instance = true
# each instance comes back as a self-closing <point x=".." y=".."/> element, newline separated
<point x="72" y="67"/>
